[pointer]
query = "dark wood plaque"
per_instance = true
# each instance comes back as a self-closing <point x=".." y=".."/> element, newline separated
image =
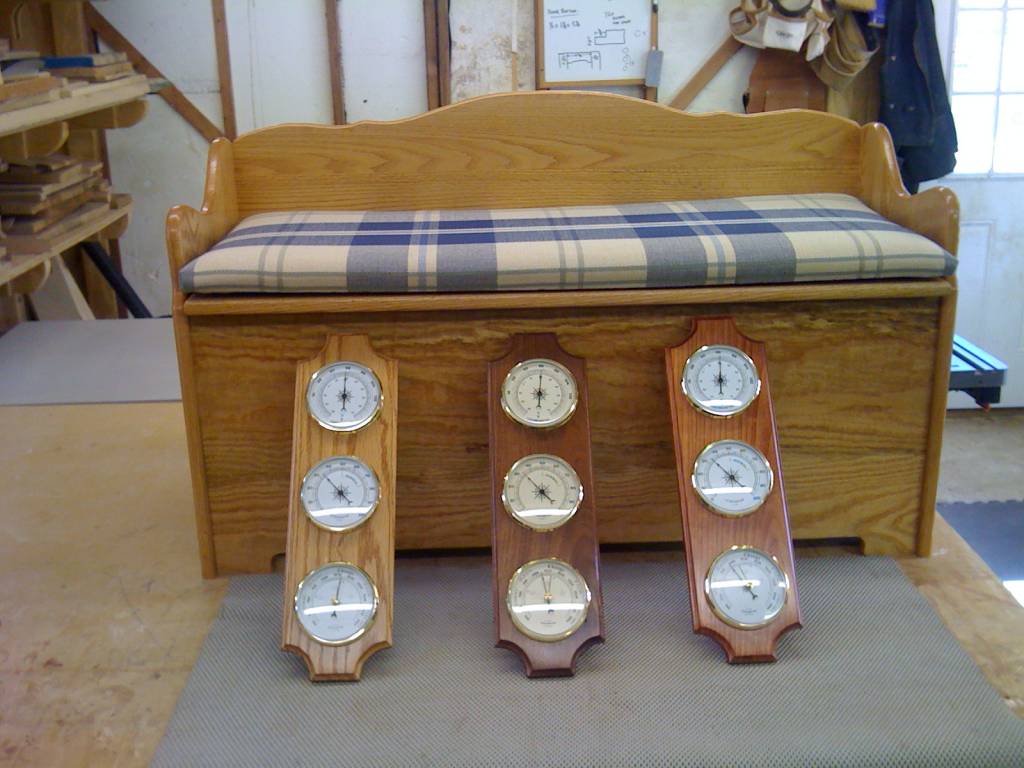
<point x="574" y="542"/>
<point x="707" y="534"/>
<point x="371" y="546"/>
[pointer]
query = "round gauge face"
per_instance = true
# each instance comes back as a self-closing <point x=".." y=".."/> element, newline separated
<point x="336" y="603"/>
<point x="539" y="393"/>
<point x="340" y="493"/>
<point x="547" y="599"/>
<point x="344" y="396"/>
<point x="732" y="477"/>
<point x="720" y="380"/>
<point x="746" y="587"/>
<point x="542" y="491"/>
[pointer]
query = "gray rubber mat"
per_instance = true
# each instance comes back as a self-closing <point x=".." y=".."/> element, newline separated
<point x="874" y="679"/>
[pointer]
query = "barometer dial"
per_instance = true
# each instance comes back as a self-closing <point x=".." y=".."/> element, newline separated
<point x="336" y="603"/>
<point x="746" y="587"/>
<point x="547" y="599"/>
<point x="539" y="393"/>
<point x="340" y="493"/>
<point x="542" y="491"/>
<point x="732" y="477"/>
<point x="344" y="396"/>
<point x="720" y="380"/>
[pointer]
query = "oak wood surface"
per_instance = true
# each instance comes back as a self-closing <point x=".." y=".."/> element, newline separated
<point x="832" y="406"/>
<point x="707" y="534"/>
<point x="371" y="546"/>
<point x="574" y="542"/>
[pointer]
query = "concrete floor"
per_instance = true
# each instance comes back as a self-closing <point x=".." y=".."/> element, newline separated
<point x="983" y="456"/>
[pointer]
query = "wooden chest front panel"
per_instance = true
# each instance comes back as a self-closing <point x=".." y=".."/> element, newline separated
<point x="851" y="379"/>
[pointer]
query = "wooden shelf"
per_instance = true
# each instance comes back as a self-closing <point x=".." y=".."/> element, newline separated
<point x="81" y="101"/>
<point x="19" y="263"/>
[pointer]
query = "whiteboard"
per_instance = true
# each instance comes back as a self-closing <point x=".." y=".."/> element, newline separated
<point x="593" y="41"/>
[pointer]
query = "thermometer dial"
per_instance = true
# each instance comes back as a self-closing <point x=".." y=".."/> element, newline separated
<point x="539" y="393"/>
<point x="340" y="493"/>
<point x="720" y="380"/>
<point x="746" y="588"/>
<point x="547" y="600"/>
<point x="344" y="396"/>
<point x="542" y="491"/>
<point x="732" y="477"/>
<point x="336" y="603"/>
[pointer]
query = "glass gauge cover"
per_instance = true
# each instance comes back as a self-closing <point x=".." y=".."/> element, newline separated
<point x="542" y="491"/>
<point x="340" y="493"/>
<point x="344" y="396"/>
<point x="746" y="588"/>
<point x="732" y="477"/>
<point x="547" y="599"/>
<point x="720" y="380"/>
<point x="539" y="393"/>
<point x="336" y="603"/>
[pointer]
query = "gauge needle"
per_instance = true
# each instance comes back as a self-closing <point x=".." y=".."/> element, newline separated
<point x="721" y="379"/>
<point x="541" y="490"/>
<point x="340" y="491"/>
<point x="344" y="393"/>
<point x="730" y="477"/>
<point x="548" y="597"/>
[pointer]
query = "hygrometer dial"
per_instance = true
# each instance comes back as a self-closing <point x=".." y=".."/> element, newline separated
<point x="340" y="493"/>
<point x="336" y="603"/>
<point x="732" y="477"/>
<point x="720" y="380"/>
<point x="547" y="599"/>
<point x="344" y="396"/>
<point x="542" y="491"/>
<point x="746" y="588"/>
<point x="539" y="393"/>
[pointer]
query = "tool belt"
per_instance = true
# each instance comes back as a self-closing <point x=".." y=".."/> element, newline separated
<point x="851" y="46"/>
<point x="784" y="24"/>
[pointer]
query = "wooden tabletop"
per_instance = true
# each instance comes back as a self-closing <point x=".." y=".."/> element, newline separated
<point x="103" y="610"/>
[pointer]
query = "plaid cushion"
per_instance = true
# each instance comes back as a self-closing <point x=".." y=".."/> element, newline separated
<point x="768" y="239"/>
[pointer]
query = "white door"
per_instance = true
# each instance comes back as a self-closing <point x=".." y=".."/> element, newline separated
<point x="984" y="43"/>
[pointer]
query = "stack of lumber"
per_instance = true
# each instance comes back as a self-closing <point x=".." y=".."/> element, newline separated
<point x="92" y="67"/>
<point x="44" y="198"/>
<point x="22" y="81"/>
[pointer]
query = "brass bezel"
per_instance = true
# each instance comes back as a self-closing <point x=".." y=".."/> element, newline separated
<point x="707" y="503"/>
<point x="344" y="528"/>
<point x="545" y="425"/>
<point x="364" y="629"/>
<point x="534" y="635"/>
<point x="719" y="613"/>
<point x="508" y="506"/>
<point x="353" y="426"/>
<point x="696" y="403"/>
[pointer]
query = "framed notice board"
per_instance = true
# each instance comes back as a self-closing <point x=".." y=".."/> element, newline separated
<point x="594" y="42"/>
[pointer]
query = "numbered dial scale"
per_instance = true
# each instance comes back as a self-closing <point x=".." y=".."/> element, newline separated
<point x="336" y="603"/>
<point x="344" y="396"/>
<point x="720" y="380"/>
<point x="542" y="491"/>
<point x="340" y="493"/>
<point x="746" y="587"/>
<point x="732" y="477"/>
<point x="548" y="599"/>
<point x="539" y="393"/>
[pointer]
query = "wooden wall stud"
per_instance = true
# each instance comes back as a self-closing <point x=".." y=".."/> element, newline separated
<point x="341" y="512"/>
<point x="544" y="529"/>
<point x="739" y="553"/>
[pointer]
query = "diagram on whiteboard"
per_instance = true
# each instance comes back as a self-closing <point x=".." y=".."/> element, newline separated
<point x="595" y="40"/>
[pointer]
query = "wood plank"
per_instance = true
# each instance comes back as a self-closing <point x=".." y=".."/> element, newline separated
<point x="444" y="53"/>
<point x="178" y="101"/>
<point x="431" y="53"/>
<point x="706" y="73"/>
<point x="30" y="87"/>
<point x="60" y="298"/>
<point x="876" y="429"/>
<point x="334" y="60"/>
<point x="227" y="87"/>
<point x="31" y="206"/>
<point x="47" y="239"/>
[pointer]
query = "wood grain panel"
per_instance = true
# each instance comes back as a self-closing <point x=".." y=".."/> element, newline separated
<point x="371" y="546"/>
<point x="840" y="401"/>
<point x="575" y="542"/>
<point x="528" y="149"/>
<point x="707" y="534"/>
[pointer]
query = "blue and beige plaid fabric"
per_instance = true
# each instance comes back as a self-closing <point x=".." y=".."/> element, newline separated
<point x="768" y="239"/>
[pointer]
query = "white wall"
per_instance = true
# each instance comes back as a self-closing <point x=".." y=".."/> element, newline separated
<point x="280" y="73"/>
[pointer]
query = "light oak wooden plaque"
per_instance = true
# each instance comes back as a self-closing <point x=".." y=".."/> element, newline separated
<point x="707" y="534"/>
<point x="371" y="545"/>
<point x="574" y="542"/>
